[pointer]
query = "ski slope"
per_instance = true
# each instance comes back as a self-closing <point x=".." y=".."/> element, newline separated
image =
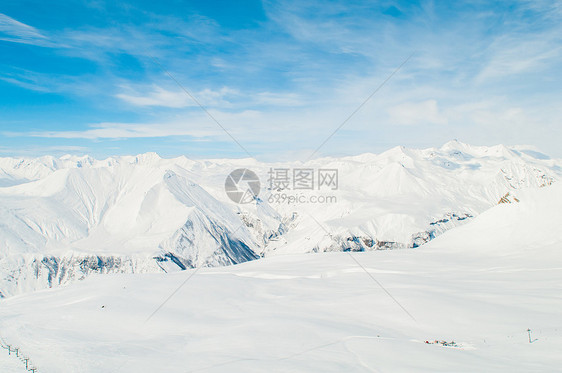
<point x="481" y="285"/>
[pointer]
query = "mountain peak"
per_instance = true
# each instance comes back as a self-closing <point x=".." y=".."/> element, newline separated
<point x="455" y="145"/>
<point x="147" y="158"/>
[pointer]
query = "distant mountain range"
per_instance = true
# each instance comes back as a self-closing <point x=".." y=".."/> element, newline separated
<point x="62" y="219"/>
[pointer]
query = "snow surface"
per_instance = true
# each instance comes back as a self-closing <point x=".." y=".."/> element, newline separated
<point x="10" y="364"/>
<point x="481" y="285"/>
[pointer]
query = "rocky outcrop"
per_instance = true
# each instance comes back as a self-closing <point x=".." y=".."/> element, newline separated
<point x="22" y="274"/>
<point x="508" y="198"/>
<point x="366" y="243"/>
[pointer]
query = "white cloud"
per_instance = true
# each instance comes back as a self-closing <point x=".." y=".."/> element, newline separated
<point x="155" y="95"/>
<point x="35" y="150"/>
<point x="337" y="27"/>
<point x="412" y="113"/>
<point x="55" y="83"/>
<point x="128" y="130"/>
<point x="25" y="83"/>
<point x="17" y="32"/>
<point x="278" y="99"/>
<point x="158" y="96"/>
<point x="516" y="56"/>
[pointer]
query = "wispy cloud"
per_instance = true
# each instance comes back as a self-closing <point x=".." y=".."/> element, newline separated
<point x="43" y="150"/>
<point x="17" y="32"/>
<point x="157" y="96"/>
<point x="345" y="28"/>
<point x="126" y="131"/>
<point x="511" y="55"/>
<point x="82" y="85"/>
<point x="278" y="99"/>
<point x="223" y="98"/>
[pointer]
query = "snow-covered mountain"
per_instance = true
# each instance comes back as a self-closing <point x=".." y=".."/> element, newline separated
<point x="491" y="286"/>
<point x="64" y="218"/>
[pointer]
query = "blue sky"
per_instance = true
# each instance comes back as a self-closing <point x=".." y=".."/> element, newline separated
<point x="83" y="77"/>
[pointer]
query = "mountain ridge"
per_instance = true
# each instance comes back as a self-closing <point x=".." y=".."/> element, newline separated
<point x="172" y="214"/>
